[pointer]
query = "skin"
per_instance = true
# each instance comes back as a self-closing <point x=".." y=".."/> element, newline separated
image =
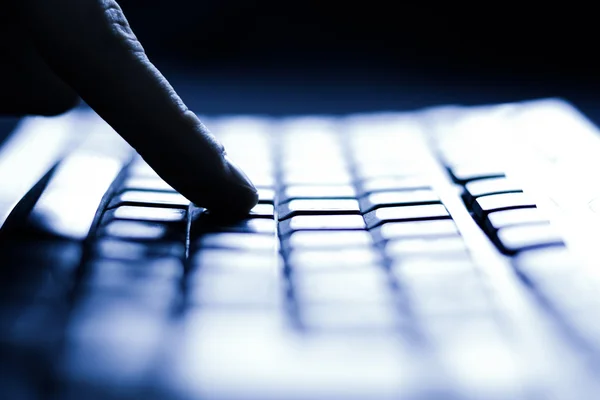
<point x="55" y="51"/>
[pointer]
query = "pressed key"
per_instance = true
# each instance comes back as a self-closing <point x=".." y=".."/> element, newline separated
<point x="317" y="192"/>
<point x="253" y="225"/>
<point x="140" y="230"/>
<point x="429" y="247"/>
<point x="314" y="240"/>
<point x="504" y="201"/>
<point x="522" y="237"/>
<point x="147" y="183"/>
<point x="394" y="183"/>
<point x="518" y="216"/>
<point x="237" y="241"/>
<point x="484" y="187"/>
<point x="322" y="222"/>
<point x="406" y="213"/>
<point x="266" y="195"/>
<point x="471" y="172"/>
<point x="398" y="198"/>
<point x="148" y="198"/>
<point x="154" y="214"/>
<point x="318" y="207"/>
<point x="338" y="259"/>
<point x="415" y="229"/>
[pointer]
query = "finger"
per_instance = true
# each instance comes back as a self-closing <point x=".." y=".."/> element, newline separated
<point x="90" y="45"/>
<point x="28" y="85"/>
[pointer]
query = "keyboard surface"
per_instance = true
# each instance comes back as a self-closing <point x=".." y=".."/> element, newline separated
<point x="390" y="256"/>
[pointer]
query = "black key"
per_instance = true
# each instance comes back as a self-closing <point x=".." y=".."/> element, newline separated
<point x="148" y="198"/>
<point x="321" y="222"/>
<point x="394" y="183"/>
<point x="406" y="213"/>
<point x="317" y="192"/>
<point x="398" y="198"/>
<point x="497" y="202"/>
<point x="154" y="214"/>
<point x="237" y="241"/>
<point x="519" y="216"/>
<point x="113" y="249"/>
<point x="318" y="207"/>
<point x="415" y="229"/>
<point x="140" y="230"/>
<point x="484" y="187"/>
<point x="467" y="173"/>
<point x="514" y="239"/>
<point x="147" y="183"/>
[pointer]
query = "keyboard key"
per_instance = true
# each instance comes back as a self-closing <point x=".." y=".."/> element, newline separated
<point x="518" y="238"/>
<point x="485" y="187"/>
<point x="228" y="261"/>
<point x="520" y="216"/>
<point x="546" y="261"/>
<point x="205" y="223"/>
<point x="504" y="201"/>
<point x="238" y="241"/>
<point x="136" y="278"/>
<point x="471" y="172"/>
<point x="314" y="240"/>
<point x="322" y="222"/>
<point x="243" y="291"/>
<point x="317" y="207"/>
<point x="323" y="177"/>
<point x="356" y="286"/>
<point x="147" y="183"/>
<point x="339" y="259"/>
<point x="266" y="195"/>
<point x="113" y="249"/>
<point x="394" y="183"/>
<point x="141" y="230"/>
<point x="153" y="214"/>
<point x="317" y="192"/>
<point x="430" y="266"/>
<point x="447" y="247"/>
<point x="398" y="198"/>
<point x="415" y="229"/>
<point x="360" y="318"/>
<point x="264" y="210"/>
<point x="406" y="213"/>
<point x="147" y="198"/>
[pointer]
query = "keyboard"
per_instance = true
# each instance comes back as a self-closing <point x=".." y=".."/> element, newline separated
<point x="435" y="254"/>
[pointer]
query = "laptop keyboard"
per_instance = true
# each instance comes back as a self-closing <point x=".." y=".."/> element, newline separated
<point x="356" y="232"/>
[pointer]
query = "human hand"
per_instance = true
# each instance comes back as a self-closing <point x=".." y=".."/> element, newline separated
<point x="57" y="50"/>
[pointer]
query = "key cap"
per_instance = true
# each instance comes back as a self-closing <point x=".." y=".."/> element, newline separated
<point x="360" y="318"/>
<point x="119" y="274"/>
<point x="140" y="230"/>
<point x="471" y="172"/>
<point x="239" y="291"/>
<point x="436" y="268"/>
<point x="263" y="210"/>
<point x="114" y="249"/>
<point x="406" y="213"/>
<point x="153" y="214"/>
<point x="394" y="183"/>
<point x="324" y="177"/>
<point x="398" y="198"/>
<point x="483" y="187"/>
<point x="266" y="195"/>
<point x="430" y="247"/>
<point x="238" y="241"/>
<point x="317" y="192"/>
<point x="520" y="216"/>
<point x="356" y="286"/>
<point x="318" y="260"/>
<point x="321" y="222"/>
<point x="415" y="229"/>
<point x="206" y="224"/>
<point x="313" y="240"/>
<point x="228" y="261"/>
<point x="317" y="207"/>
<point x="148" y="198"/>
<point x="146" y="183"/>
<point x="518" y="238"/>
<point x="496" y="202"/>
